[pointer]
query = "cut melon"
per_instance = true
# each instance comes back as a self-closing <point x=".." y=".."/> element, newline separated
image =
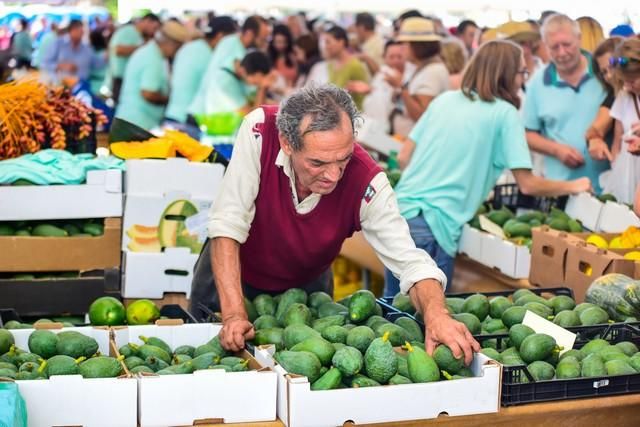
<point x="144" y="244"/>
<point x="172" y="222"/>
<point x="138" y="230"/>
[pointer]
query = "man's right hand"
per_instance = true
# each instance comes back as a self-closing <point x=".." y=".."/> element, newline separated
<point x="581" y="185"/>
<point x="569" y="156"/>
<point x="68" y="67"/>
<point x="236" y="329"/>
<point x="598" y="150"/>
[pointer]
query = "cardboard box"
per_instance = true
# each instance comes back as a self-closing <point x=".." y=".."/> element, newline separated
<point x="549" y="256"/>
<point x="357" y="249"/>
<point x="160" y="177"/>
<point x="510" y="259"/>
<point x="53" y="297"/>
<point x="299" y="406"/>
<point x="71" y="400"/>
<point x="471" y="242"/>
<point x="616" y="218"/>
<point x="100" y="197"/>
<point x="585" y="263"/>
<point x="585" y="208"/>
<point x="207" y="395"/>
<point x="151" y="275"/>
<point x="33" y="254"/>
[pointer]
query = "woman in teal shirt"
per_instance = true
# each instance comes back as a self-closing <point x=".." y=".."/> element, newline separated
<point x="458" y="149"/>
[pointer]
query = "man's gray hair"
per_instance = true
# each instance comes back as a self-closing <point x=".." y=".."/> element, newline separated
<point x="557" y="20"/>
<point x="324" y="104"/>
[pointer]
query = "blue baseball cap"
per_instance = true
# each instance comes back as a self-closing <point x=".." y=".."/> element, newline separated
<point x="622" y="30"/>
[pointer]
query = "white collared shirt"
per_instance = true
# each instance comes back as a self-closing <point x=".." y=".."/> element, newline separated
<point x="382" y="225"/>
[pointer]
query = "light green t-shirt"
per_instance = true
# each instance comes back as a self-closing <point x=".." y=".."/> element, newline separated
<point x="352" y="70"/>
<point x="462" y="147"/>
<point x="229" y="50"/>
<point x="147" y="70"/>
<point x="22" y="45"/>
<point x="46" y="44"/>
<point x="230" y="93"/>
<point x="127" y="35"/>
<point x="189" y="67"/>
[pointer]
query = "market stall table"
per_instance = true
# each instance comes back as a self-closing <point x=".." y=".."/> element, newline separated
<point x="619" y="411"/>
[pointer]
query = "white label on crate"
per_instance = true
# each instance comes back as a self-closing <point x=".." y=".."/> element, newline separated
<point x="491" y="227"/>
<point x="564" y="338"/>
<point x="601" y="383"/>
<point x="197" y="224"/>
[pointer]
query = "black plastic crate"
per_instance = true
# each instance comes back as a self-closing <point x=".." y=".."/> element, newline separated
<point x="385" y="302"/>
<point x="516" y="393"/>
<point x="509" y="195"/>
<point x="172" y="311"/>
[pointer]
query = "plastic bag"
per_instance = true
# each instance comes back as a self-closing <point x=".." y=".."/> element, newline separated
<point x="13" y="410"/>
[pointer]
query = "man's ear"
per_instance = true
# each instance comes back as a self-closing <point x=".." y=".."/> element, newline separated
<point x="284" y="144"/>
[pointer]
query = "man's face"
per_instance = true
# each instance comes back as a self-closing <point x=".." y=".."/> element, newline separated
<point x="255" y="79"/>
<point x="564" y="48"/>
<point x="396" y="56"/>
<point x="332" y="46"/>
<point x="262" y="38"/>
<point x="321" y="162"/>
<point x="361" y="33"/>
<point x="468" y="36"/>
<point x="149" y="28"/>
<point x="76" y="34"/>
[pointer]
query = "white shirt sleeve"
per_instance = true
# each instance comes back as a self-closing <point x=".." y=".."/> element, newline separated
<point x="233" y="210"/>
<point x="388" y="233"/>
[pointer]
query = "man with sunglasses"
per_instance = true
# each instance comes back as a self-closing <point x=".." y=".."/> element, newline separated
<point x="562" y="100"/>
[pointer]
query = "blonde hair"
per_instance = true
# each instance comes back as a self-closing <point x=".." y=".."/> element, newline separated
<point x="454" y="55"/>
<point x="591" y="34"/>
<point x="492" y="71"/>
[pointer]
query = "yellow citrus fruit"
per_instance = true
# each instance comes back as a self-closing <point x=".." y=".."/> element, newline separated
<point x="633" y="255"/>
<point x="588" y="271"/>
<point x="597" y="241"/>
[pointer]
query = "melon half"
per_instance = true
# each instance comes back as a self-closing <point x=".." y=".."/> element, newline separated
<point x="171" y="229"/>
<point x="143" y="231"/>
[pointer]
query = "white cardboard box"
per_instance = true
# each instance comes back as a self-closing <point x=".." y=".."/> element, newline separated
<point x="299" y="406"/>
<point x="70" y="400"/>
<point x="616" y="218"/>
<point x="510" y="259"/>
<point x="228" y="397"/>
<point x="471" y="242"/>
<point x="586" y="209"/>
<point x="150" y="275"/>
<point x="100" y="197"/>
<point x="160" y="177"/>
<point x="147" y="210"/>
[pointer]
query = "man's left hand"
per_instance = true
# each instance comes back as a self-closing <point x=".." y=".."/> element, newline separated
<point x="442" y="329"/>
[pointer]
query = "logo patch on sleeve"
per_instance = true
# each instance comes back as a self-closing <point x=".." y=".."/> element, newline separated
<point x="369" y="193"/>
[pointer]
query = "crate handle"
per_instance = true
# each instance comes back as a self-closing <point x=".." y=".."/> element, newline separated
<point x="548" y="251"/>
<point x="585" y="268"/>
<point x="175" y="272"/>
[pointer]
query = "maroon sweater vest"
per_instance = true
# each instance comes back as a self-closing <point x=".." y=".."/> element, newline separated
<point x="286" y="249"/>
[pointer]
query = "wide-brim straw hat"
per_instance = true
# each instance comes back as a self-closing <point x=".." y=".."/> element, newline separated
<point x="418" y="30"/>
<point x="518" y="32"/>
<point x="176" y="31"/>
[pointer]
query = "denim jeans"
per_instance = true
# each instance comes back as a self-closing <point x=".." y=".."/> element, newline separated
<point x="424" y="239"/>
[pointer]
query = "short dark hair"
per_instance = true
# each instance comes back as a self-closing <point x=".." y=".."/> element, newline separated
<point x="97" y="40"/>
<point x="339" y="33"/>
<point x="413" y="13"/>
<point x="390" y="43"/>
<point x="221" y="24"/>
<point x="253" y="24"/>
<point x="256" y="62"/>
<point x="73" y="24"/>
<point x="462" y="27"/>
<point x="425" y="50"/>
<point x="151" y="17"/>
<point x="366" y="20"/>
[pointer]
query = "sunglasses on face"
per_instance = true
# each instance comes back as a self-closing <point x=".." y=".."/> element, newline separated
<point x="621" y="61"/>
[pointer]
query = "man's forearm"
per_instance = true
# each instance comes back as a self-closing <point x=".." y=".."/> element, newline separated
<point x="428" y="298"/>
<point x="225" y="262"/>
<point x="156" y="98"/>
<point x="541" y="144"/>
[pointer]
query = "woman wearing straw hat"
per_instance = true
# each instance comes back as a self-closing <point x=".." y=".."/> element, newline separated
<point x="429" y="80"/>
